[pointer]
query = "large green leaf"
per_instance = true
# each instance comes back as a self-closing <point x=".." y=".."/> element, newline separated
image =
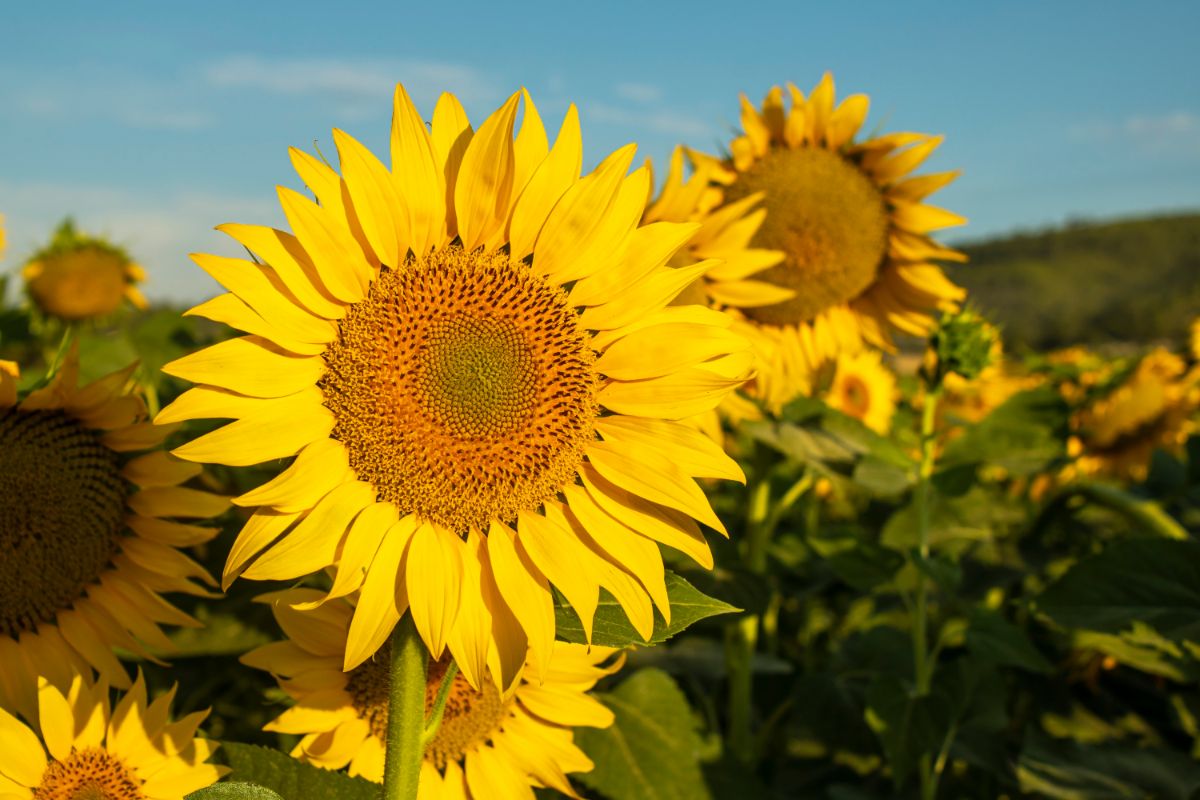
<point x="1024" y="435"/>
<point x="1154" y="581"/>
<point x="1072" y="771"/>
<point x="292" y="779"/>
<point x="993" y="638"/>
<point x="611" y="628"/>
<point x="652" y="750"/>
<point x="234" y="791"/>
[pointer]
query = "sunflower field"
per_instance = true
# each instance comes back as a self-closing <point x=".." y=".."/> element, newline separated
<point x="495" y="476"/>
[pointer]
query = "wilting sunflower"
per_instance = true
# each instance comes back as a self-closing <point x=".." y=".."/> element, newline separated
<point x="87" y="531"/>
<point x="90" y="751"/>
<point x="473" y="359"/>
<point x="1151" y="409"/>
<point x="490" y="744"/>
<point x="865" y="389"/>
<point x="78" y="277"/>
<point x="853" y="228"/>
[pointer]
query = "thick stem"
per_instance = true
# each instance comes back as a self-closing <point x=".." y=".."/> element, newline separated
<point x="406" y="712"/>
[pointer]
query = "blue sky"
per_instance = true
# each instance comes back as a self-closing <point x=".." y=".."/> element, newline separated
<point x="153" y="122"/>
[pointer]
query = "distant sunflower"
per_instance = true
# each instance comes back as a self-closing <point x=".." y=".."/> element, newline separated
<point x="1151" y="409"/>
<point x="490" y="744"/>
<point x="853" y="229"/>
<point x="971" y="400"/>
<point x="436" y="344"/>
<point x="92" y="751"/>
<point x="865" y="389"/>
<point x="3" y="241"/>
<point x="78" y="277"/>
<point x="87" y="531"/>
<point x="1195" y="339"/>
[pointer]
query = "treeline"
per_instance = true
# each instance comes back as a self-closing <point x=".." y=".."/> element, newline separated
<point x="1134" y="280"/>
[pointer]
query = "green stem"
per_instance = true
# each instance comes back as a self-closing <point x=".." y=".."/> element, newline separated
<point x="922" y="664"/>
<point x="406" y="712"/>
<point x="434" y="720"/>
<point x="64" y="344"/>
<point x="742" y="638"/>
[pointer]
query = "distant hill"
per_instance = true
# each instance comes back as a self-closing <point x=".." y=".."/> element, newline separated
<point x="1127" y="280"/>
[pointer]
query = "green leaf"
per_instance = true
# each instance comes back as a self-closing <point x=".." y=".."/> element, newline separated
<point x="1072" y="771"/>
<point x="1155" y="581"/>
<point x="652" y="750"/>
<point x="290" y="778"/>
<point x="909" y="726"/>
<point x="611" y="628"/>
<point x="1024" y="435"/>
<point x="993" y="638"/>
<point x="234" y="791"/>
<point x="866" y="565"/>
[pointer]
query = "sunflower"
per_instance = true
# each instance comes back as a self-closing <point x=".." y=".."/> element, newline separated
<point x="87" y="531"/>
<point x="1194" y="339"/>
<point x="1117" y="433"/>
<point x="490" y="743"/>
<point x="78" y="277"/>
<point x="865" y="389"/>
<point x="91" y="750"/>
<point x="973" y="399"/>
<point x="472" y="357"/>
<point x="3" y="241"/>
<point x="852" y="227"/>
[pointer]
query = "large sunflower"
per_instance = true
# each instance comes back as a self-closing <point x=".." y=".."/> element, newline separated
<point x="1150" y="409"/>
<point x="91" y="750"/>
<point x="87" y="531"/>
<point x="473" y="359"/>
<point x="490" y="744"/>
<point x="78" y="277"/>
<point x="865" y="389"/>
<point x="854" y="230"/>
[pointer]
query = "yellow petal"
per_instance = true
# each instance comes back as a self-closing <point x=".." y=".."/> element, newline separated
<point x="905" y="161"/>
<point x="654" y="478"/>
<point x="557" y="172"/>
<point x="748" y="294"/>
<point x="376" y="202"/>
<point x="922" y="218"/>
<point x="329" y="244"/>
<point x="450" y="134"/>
<point x="228" y="309"/>
<point x="643" y="297"/>
<point x="679" y="395"/>
<point x="484" y="189"/>
<point x="434" y="580"/>
<point x="555" y="552"/>
<point x="470" y="637"/>
<point x="284" y="254"/>
<point x="362" y="543"/>
<point x="531" y="147"/>
<point x="689" y="449"/>
<point x="819" y="109"/>
<point x="320" y="466"/>
<point x="56" y="721"/>
<point x="263" y="528"/>
<point x="176" y="501"/>
<point x="312" y="545"/>
<point x="663" y="349"/>
<point x="249" y="365"/>
<point x="384" y="597"/>
<point x="22" y="758"/>
<point x="525" y="590"/>
<point x="280" y="430"/>
<point x="649" y="247"/>
<point x="846" y="120"/>
<point x="418" y="176"/>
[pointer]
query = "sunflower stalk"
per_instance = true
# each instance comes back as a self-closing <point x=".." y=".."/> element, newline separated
<point x="761" y="520"/>
<point x="433" y="721"/>
<point x="406" y="712"/>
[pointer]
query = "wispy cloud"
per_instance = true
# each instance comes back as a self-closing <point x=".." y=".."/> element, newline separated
<point x="354" y="80"/>
<point x="159" y="230"/>
<point x="643" y="93"/>
<point x="662" y="120"/>
<point x="1174" y="131"/>
<point x="136" y="102"/>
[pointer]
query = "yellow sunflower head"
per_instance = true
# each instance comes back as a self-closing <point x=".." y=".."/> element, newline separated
<point x="490" y="743"/>
<point x="473" y="359"/>
<point x="1151" y="409"/>
<point x="839" y="250"/>
<point x="88" y="749"/>
<point x="89" y="531"/>
<point x="78" y="277"/>
<point x="865" y="389"/>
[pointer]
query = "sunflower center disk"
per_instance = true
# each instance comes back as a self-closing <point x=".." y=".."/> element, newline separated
<point x="469" y="718"/>
<point x="91" y="774"/>
<point x="856" y="398"/>
<point x="830" y="220"/>
<point x="462" y="388"/>
<point x="62" y="506"/>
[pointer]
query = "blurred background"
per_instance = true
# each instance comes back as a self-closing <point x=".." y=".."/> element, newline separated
<point x="1076" y="124"/>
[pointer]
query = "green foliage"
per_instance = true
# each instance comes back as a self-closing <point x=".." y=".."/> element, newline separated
<point x="289" y="778"/>
<point x="611" y="628"/>
<point x="1087" y="283"/>
<point x="234" y="791"/>
<point x="652" y="751"/>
